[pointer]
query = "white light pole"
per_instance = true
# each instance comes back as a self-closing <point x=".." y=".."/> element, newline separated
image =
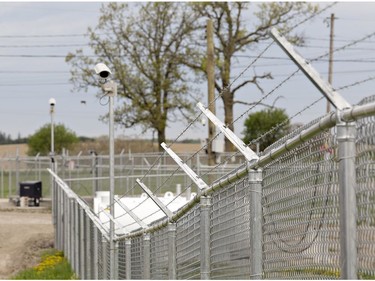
<point x="52" y="103"/>
<point x="110" y="89"/>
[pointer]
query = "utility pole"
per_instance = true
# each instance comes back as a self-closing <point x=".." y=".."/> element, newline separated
<point x="210" y="69"/>
<point x="330" y="64"/>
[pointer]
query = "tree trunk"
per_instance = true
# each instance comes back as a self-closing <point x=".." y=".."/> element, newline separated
<point x="161" y="138"/>
<point x="228" y="119"/>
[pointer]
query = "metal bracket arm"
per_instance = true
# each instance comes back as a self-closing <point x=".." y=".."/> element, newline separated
<point x="130" y="213"/>
<point x="324" y="87"/>
<point x="194" y="177"/>
<point x="156" y="200"/>
<point x="109" y="216"/>
<point x="237" y="142"/>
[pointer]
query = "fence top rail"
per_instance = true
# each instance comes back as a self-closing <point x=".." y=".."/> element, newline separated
<point x="70" y="193"/>
<point x="327" y="122"/>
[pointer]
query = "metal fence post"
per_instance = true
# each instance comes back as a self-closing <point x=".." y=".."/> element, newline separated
<point x="68" y="240"/>
<point x="105" y="258"/>
<point x="128" y="259"/>
<point x="95" y="255"/>
<point x="205" y="206"/>
<point x="115" y="260"/>
<point x="172" y="265"/>
<point x="76" y="239"/>
<point x="61" y="218"/>
<point x="256" y="253"/>
<point x="346" y="134"/>
<point x="10" y="181"/>
<point x="63" y="160"/>
<point x="82" y="253"/>
<point x="94" y="171"/>
<point x="89" y="248"/>
<point x="146" y="256"/>
<point x="72" y="232"/>
<point x="66" y="225"/>
<point x="17" y="168"/>
<point x="57" y="216"/>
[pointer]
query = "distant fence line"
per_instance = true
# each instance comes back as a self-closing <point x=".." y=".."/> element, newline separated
<point x="304" y="210"/>
<point x="89" y="173"/>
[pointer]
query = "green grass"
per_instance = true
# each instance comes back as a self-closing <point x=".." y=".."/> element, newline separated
<point x="318" y="273"/>
<point x="53" y="266"/>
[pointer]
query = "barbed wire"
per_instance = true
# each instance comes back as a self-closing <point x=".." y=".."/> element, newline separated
<point x="354" y="84"/>
<point x="254" y="141"/>
<point x="217" y="97"/>
<point x="276" y="127"/>
<point x="253" y="62"/>
<point x="312" y="16"/>
<point x="345" y="46"/>
<point x="195" y="119"/>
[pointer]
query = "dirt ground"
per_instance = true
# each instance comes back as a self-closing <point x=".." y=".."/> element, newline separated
<point x="24" y="234"/>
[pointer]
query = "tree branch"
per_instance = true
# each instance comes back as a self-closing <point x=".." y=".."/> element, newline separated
<point x="254" y="81"/>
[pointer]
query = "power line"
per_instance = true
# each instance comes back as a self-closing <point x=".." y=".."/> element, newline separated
<point x="36" y="84"/>
<point x="44" y="46"/>
<point x="338" y="40"/>
<point x="87" y="45"/>
<point x="33" y="71"/>
<point x="43" y="36"/>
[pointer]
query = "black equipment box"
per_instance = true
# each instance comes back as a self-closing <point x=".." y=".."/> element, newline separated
<point x="31" y="189"/>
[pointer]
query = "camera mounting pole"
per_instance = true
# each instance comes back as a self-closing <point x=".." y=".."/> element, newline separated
<point x="110" y="89"/>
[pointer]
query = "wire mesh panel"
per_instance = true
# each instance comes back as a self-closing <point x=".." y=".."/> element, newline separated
<point x="159" y="254"/>
<point x="92" y="250"/>
<point x="188" y="245"/>
<point x="137" y="258"/>
<point x="365" y="165"/>
<point x="122" y="259"/>
<point x="230" y="238"/>
<point x="301" y="215"/>
<point x="101" y="266"/>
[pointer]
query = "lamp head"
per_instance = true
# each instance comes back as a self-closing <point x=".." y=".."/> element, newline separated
<point x="52" y="102"/>
<point x="102" y="70"/>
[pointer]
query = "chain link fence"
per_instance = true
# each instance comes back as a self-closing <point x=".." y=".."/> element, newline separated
<point x="286" y="216"/>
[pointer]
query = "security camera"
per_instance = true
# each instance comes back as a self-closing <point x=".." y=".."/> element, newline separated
<point x="52" y="102"/>
<point x="102" y="70"/>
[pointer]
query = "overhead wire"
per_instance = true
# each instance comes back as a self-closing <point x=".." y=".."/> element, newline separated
<point x="341" y="48"/>
<point x="228" y="87"/>
<point x="281" y="124"/>
<point x="44" y="36"/>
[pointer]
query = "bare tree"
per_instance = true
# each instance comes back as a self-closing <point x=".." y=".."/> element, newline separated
<point x="146" y="45"/>
<point x="233" y="36"/>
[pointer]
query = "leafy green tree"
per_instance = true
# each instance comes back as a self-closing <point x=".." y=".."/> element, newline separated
<point x="234" y="35"/>
<point x="40" y="142"/>
<point x="258" y="123"/>
<point x="146" y="49"/>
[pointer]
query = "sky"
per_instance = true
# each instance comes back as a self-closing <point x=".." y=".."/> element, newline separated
<point x="35" y="37"/>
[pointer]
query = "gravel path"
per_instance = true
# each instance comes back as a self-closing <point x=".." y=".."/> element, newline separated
<point x="24" y="233"/>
